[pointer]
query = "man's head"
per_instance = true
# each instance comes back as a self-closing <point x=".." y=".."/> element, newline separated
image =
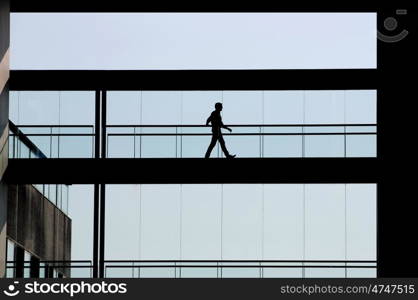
<point x="218" y="106"/>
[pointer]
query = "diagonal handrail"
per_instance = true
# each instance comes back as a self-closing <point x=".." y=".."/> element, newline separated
<point x="25" y="140"/>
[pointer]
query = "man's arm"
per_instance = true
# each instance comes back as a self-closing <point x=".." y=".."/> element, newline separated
<point x="225" y="127"/>
<point x="209" y="120"/>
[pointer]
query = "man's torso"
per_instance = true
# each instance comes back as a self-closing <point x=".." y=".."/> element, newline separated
<point x="216" y="121"/>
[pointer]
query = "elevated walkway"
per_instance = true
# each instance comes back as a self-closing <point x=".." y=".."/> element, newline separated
<point x="193" y="170"/>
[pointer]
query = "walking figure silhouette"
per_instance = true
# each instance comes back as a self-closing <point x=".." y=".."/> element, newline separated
<point x="216" y="122"/>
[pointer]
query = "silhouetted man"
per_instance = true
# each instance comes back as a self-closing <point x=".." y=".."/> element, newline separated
<point x="216" y="121"/>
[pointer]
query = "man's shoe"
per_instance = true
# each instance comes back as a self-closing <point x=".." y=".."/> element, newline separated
<point x="231" y="156"/>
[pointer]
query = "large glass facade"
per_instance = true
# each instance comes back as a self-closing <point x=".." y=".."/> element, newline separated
<point x="249" y="225"/>
<point x="23" y="264"/>
<point x="255" y="107"/>
<point x="265" y="123"/>
<point x="223" y="230"/>
<point x="170" y="124"/>
<point x="81" y="212"/>
<point x="59" y="123"/>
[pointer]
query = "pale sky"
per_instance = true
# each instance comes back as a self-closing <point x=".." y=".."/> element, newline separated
<point x="193" y="40"/>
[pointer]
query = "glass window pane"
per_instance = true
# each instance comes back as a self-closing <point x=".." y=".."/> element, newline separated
<point x="242" y="221"/>
<point x="12" y="145"/>
<point x="43" y="143"/>
<point x="324" y="129"/>
<point x="119" y="272"/>
<point x="282" y="272"/>
<point x="10" y="250"/>
<point x="158" y="146"/>
<point x="324" y="107"/>
<point x="361" y="273"/>
<point x="42" y="270"/>
<point x="324" y="145"/>
<point x="242" y="107"/>
<point x="64" y="197"/>
<point x="282" y="146"/>
<point x="243" y="146"/>
<point x="55" y="146"/>
<point x="81" y="273"/>
<point x="122" y="222"/>
<point x="52" y="196"/>
<point x="149" y="272"/>
<point x="161" y="108"/>
<point x="123" y="107"/>
<point x="199" y="272"/>
<point x="26" y="270"/>
<point x="283" y="222"/>
<point x="80" y="210"/>
<point x="325" y="222"/>
<point x="39" y="108"/>
<point x="361" y="221"/>
<point x="14" y="106"/>
<point x="361" y="106"/>
<point x="201" y="222"/>
<point x="10" y="271"/>
<point x="76" y="146"/>
<point x="198" y="105"/>
<point x="22" y="150"/>
<point x="239" y="222"/>
<point x="120" y="146"/>
<point x="325" y="272"/>
<point x="77" y="107"/>
<point x="241" y="272"/>
<point x="361" y="145"/>
<point x="283" y="107"/>
<point x="195" y="146"/>
<point x="160" y="222"/>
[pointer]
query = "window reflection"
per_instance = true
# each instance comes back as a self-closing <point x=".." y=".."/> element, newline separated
<point x="293" y="222"/>
<point x="60" y="123"/>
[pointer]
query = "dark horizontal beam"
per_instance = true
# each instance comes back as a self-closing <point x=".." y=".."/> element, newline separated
<point x="327" y="79"/>
<point x="193" y="170"/>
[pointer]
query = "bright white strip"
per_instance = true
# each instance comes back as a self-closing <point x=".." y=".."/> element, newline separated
<point x="142" y="41"/>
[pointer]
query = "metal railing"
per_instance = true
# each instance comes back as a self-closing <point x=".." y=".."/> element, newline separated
<point x="271" y="140"/>
<point x="214" y="268"/>
<point x="51" y="141"/>
<point x="235" y="268"/>
<point x="184" y="141"/>
<point x="50" y="268"/>
<point x="21" y="143"/>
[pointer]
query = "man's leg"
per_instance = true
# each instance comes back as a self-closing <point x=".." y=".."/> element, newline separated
<point x="223" y="147"/>
<point x="211" y="145"/>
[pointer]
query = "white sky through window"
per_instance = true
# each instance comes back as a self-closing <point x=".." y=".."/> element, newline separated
<point x="142" y="41"/>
